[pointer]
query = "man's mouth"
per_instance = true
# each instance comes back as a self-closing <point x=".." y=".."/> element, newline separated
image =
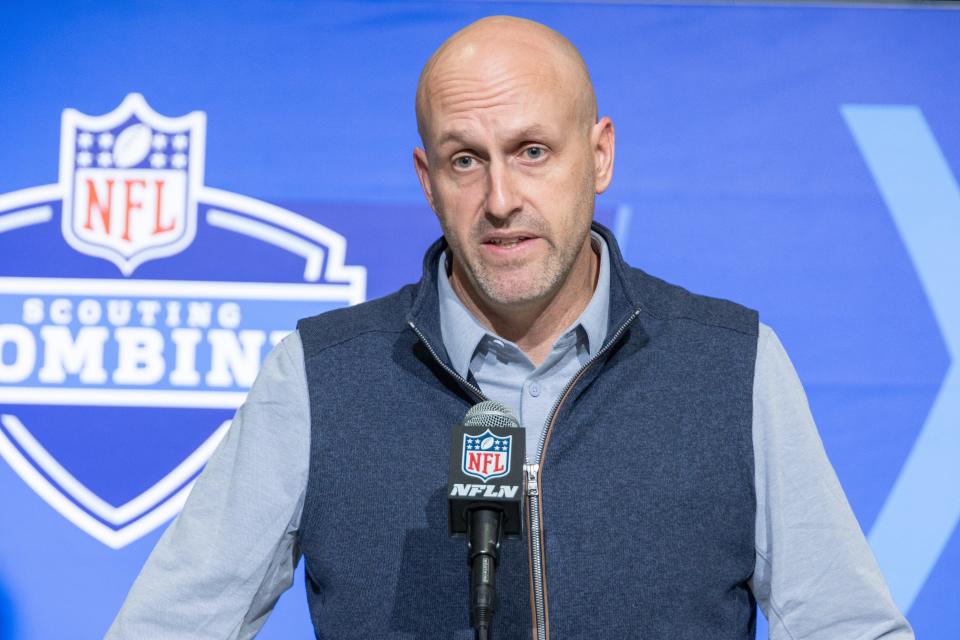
<point x="507" y="243"/>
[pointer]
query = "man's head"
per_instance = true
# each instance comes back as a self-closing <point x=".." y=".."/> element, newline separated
<point x="512" y="158"/>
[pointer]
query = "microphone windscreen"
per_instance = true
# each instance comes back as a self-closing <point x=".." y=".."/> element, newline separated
<point x="491" y="414"/>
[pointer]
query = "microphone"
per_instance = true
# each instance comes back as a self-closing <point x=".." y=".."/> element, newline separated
<point x="489" y="447"/>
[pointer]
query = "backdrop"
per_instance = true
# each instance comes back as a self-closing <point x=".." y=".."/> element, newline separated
<point x="180" y="182"/>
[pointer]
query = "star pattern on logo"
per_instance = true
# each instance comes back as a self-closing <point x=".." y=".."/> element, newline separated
<point x="95" y="149"/>
<point x="475" y="444"/>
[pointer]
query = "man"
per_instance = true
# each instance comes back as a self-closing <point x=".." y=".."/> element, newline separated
<point x="674" y="473"/>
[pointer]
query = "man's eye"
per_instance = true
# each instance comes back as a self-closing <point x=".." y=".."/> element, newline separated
<point x="463" y="162"/>
<point x="534" y="153"/>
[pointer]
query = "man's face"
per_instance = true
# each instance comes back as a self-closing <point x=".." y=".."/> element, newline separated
<point x="510" y="171"/>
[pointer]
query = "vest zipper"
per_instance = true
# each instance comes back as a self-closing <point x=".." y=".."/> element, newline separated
<point x="533" y="476"/>
<point x="541" y="625"/>
<point x="457" y="376"/>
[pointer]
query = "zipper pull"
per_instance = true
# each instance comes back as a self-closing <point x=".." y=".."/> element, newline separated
<point x="531" y="471"/>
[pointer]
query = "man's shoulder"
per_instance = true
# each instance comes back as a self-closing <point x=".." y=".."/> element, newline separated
<point x="382" y="315"/>
<point x="672" y="303"/>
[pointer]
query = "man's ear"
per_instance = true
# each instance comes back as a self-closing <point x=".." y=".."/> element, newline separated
<point x="603" y="142"/>
<point x="422" y="166"/>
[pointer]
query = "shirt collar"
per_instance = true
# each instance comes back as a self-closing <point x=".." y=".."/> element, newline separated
<point x="462" y="332"/>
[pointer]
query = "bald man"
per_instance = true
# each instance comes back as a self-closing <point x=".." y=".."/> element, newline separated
<point x="674" y="474"/>
<point x="513" y="157"/>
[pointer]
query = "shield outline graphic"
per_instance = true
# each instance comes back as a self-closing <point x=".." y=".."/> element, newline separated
<point x="134" y="104"/>
<point x="325" y="276"/>
<point x="485" y="478"/>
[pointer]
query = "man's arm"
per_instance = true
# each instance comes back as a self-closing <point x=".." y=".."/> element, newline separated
<point x="220" y="567"/>
<point x="815" y="576"/>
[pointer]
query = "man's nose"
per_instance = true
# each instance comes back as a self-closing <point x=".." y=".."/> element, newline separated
<point x="503" y="196"/>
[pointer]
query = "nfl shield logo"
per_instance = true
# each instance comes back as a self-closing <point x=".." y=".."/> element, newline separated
<point x="130" y="181"/>
<point x="486" y="456"/>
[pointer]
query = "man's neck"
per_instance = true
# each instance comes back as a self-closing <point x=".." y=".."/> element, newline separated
<point x="534" y="327"/>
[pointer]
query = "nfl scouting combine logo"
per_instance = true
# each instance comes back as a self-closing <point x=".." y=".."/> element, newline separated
<point x="486" y="456"/>
<point x="115" y="389"/>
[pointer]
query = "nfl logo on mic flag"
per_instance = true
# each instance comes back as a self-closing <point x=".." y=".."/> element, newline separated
<point x="486" y="456"/>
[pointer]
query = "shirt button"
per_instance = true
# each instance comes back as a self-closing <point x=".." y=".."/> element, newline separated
<point x="534" y="389"/>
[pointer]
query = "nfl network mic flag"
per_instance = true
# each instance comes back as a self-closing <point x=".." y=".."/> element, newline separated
<point x="486" y="468"/>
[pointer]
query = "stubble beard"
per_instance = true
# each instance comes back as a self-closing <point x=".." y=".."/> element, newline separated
<point x="526" y="282"/>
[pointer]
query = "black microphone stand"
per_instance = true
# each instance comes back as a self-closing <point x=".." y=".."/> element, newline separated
<point x="483" y="551"/>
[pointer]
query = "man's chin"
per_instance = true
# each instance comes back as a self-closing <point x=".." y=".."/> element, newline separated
<point x="513" y="294"/>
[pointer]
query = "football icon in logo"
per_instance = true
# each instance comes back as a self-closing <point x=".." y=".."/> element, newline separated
<point x="132" y="145"/>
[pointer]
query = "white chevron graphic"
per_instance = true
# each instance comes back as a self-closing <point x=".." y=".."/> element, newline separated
<point x="923" y="197"/>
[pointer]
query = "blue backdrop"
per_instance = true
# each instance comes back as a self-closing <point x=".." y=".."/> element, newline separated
<point x="801" y="160"/>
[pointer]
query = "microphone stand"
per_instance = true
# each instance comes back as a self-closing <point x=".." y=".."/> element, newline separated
<point x="483" y="533"/>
